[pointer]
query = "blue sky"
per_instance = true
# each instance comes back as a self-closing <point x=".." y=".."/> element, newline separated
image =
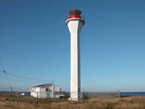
<point x="35" y="43"/>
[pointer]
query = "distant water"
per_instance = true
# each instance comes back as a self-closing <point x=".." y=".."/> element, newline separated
<point x="133" y="93"/>
<point x="67" y="93"/>
<point x="9" y="92"/>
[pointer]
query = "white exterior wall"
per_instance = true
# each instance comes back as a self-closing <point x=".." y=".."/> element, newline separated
<point x="34" y="92"/>
<point x="43" y="93"/>
<point x="75" y="29"/>
<point x="53" y="89"/>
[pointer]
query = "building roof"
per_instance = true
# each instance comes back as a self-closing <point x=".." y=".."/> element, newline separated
<point x="43" y="85"/>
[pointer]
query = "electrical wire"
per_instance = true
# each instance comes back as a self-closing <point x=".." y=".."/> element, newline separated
<point x="25" y="77"/>
<point x="5" y="73"/>
<point x="17" y="76"/>
<point x="2" y="66"/>
<point x="20" y="76"/>
<point x="1" y="71"/>
<point x="7" y="79"/>
<point x="22" y="80"/>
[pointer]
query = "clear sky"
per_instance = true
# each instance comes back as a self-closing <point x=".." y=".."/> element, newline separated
<point x="35" y="43"/>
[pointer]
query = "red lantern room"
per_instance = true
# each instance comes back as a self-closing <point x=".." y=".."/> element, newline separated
<point x="75" y="14"/>
<point x="46" y="89"/>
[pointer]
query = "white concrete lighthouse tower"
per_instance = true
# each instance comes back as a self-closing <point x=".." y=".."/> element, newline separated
<point x="75" y="21"/>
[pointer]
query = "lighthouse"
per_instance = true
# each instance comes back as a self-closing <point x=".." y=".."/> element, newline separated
<point x="75" y="21"/>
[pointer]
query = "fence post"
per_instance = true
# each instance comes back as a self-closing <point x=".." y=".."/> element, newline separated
<point x="119" y="93"/>
<point x="109" y="94"/>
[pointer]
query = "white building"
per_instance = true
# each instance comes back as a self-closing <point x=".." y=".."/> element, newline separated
<point x="46" y="91"/>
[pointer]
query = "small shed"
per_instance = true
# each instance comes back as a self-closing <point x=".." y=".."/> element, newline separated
<point x="46" y="91"/>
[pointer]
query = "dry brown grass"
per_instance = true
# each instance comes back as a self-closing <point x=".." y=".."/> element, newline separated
<point x="116" y="103"/>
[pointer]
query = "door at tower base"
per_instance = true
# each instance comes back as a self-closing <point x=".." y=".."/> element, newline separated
<point x="74" y="99"/>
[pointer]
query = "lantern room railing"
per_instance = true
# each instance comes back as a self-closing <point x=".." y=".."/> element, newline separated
<point x="81" y="17"/>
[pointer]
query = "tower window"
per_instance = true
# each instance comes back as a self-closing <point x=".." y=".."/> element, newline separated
<point x="78" y="12"/>
<point x="73" y="13"/>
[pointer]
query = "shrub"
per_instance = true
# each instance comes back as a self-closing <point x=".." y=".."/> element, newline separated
<point x="85" y="97"/>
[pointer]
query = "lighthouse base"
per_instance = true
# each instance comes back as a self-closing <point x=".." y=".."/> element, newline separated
<point x="75" y="99"/>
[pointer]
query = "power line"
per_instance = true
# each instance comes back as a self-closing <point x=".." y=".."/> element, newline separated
<point x="20" y="81"/>
<point x="2" y="66"/>
<point x="23" y="80"/>
<point x="25" y="77"/>
<point x="19" y="76"/>
<point x="7" y="79"/>
<point x="1" y="71"/>
<point x="5" y="73"/>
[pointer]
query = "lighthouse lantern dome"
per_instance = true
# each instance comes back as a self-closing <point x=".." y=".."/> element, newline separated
<point x="74" y="13"/>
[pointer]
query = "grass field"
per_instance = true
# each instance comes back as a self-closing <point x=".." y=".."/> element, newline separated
<point x="115" y="103"/>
